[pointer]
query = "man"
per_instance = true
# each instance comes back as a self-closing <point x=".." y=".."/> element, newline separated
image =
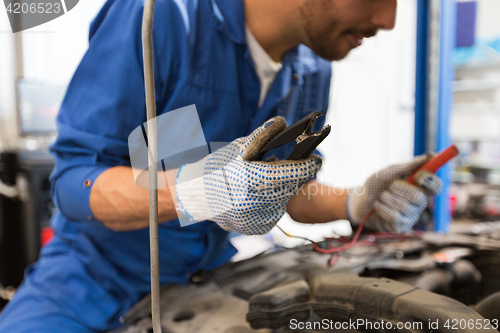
<point x="241" y="62"/>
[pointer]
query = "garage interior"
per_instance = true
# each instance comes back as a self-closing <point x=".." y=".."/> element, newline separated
<point x="432" y="82"/>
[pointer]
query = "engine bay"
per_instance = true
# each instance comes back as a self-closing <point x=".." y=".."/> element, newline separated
<point x="418" y="282"/>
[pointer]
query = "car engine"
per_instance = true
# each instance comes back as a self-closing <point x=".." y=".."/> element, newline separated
<point x="425" y="282"/>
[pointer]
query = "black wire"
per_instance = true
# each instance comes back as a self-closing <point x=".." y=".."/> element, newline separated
<point x="298" y="237"/>
<point x="313" y="242"/>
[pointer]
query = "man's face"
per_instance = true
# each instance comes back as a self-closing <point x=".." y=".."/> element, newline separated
<point x="333" y="28"/>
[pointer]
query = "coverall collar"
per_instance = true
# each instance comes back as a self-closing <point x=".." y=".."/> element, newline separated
<point x="231" y="20"/>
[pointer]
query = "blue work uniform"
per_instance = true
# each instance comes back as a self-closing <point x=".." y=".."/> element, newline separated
<point x="89" y="275"/>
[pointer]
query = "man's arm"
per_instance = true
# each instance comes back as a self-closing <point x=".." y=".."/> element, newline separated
<point x="397" y="204"/>
<point x="318" y="203"/>
<point x="104" y="103"/>
<point x="121" y="205"/>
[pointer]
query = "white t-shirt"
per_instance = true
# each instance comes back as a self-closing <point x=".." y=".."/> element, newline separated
<point x="266" y="67"/>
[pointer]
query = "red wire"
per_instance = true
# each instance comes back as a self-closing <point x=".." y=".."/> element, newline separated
<point x="334" y="260"/>
<point x="348" y="245"/>
<point x="432" y="165"/>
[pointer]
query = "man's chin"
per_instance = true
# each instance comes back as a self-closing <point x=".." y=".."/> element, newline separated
<point x="336" y="49"/>
<point x="327" y="52"/>
<point x="333" y="55"/>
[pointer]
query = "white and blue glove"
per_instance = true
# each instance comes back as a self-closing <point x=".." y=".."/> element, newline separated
<point x="238" y="194"/>
<point x="397" y="204"/>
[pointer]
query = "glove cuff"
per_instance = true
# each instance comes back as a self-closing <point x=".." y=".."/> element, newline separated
<point x="190" y="189"/>
<point x="354" y="204"/>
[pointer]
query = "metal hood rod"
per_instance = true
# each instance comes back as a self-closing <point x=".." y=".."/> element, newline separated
<point x="149" y="80"/>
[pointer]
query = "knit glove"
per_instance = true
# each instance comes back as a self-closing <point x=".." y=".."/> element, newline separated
<point x="397" y="204"/>
<point x="238" y="194"/>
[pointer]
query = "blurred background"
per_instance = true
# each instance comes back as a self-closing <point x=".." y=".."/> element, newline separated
<point x="432" y="81"/>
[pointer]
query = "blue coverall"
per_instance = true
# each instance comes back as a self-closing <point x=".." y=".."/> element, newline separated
<point x="89" y="276"/>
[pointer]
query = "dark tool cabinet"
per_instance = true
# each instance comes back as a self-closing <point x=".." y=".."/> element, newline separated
<point x="22" y="219"/>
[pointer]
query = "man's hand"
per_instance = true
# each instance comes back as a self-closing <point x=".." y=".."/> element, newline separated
<point x="397" y="204"/>
<point x="240" y="195"/>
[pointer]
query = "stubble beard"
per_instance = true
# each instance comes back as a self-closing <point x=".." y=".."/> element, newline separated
<point x="321" y="41"/>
